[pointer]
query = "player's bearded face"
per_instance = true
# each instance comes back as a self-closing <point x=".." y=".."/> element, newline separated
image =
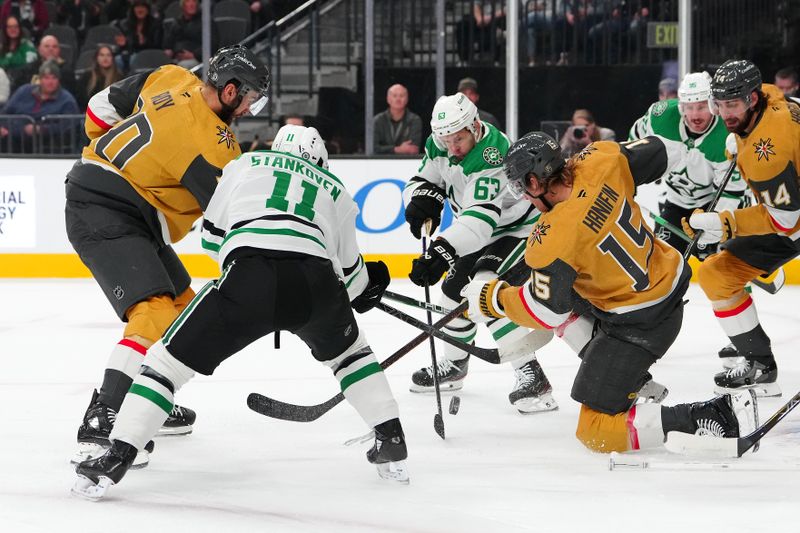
<point x="735" y="114"/>
<point x="697" y="116"/>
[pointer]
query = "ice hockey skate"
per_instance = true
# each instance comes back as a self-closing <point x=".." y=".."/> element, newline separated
<point x="749" y="374"/>
<point x="652" y="392"/>
<point x="179" y="422"/>
<point x="95" y="476"/>
<point x="451" y="376"/>
<point x="389" y="452"/>
<point x="532" y="392"/>
<point x="718" y="423"/>
<point x="94" y="431"/>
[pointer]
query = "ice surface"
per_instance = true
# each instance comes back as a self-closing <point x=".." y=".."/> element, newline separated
<point x="240" y="471"/>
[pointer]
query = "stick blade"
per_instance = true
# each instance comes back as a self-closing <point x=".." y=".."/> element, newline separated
<point x="285" y="411"/>
<point x="701" y="445"/>
<point x="438" y="425"/>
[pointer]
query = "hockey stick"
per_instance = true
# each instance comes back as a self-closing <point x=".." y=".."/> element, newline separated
<point x="307" y="413"/>
<point x="771" y="287"/>
<point x="490" y="355"/>
<point x="438" y="420"/>
<point x="403" y="299"/>
<point x="712" y="205"/>
<point x="727" y="447"/>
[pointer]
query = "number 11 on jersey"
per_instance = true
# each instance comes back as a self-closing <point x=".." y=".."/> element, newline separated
<point x="305" y="208"/>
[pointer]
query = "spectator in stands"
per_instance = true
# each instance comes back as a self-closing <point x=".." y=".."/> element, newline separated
<point x="397" y="130"/>
<point x="183" y="40"/>
<point x="294" y="120"/>
<point x="50" y="50"/>
<point x="266" y="144"/>
<point x="479" y="31"/>
<point x="540" y="18"/>
<point x="80" y="14"/>
<point x="37" y="101"/>
<point x="786" y="79"/>
<point x="583" y="131"/>
<point x="16" y="52"/>
<point x="141" y="30"/>
<point x="31" y="14"/>
<point x="5" y="89"/>
<point x="261" y="12"/>
<point x="469" y="88"/>
<point x="667" y="89"/>
<point x="103" y="73"/>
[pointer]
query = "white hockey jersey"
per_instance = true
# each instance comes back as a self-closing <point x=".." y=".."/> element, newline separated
<point x="476" y="190"/>
<point x="693" y="183"/>
<point x="277" y="201"/>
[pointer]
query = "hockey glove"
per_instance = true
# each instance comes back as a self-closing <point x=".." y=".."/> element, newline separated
<point x="482" y="298"/>
<point x="716" y="227"/>
<point x="428" y="268"/>
<point x="378" y="281"/>
<point x="427" y="202"/>
<point x="730" y="144"/>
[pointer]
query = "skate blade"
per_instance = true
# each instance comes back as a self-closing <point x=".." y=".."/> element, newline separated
<point x="539" y="404"/>
<point x="88" y="450"/>
<point x="762" y="390"/>
<point x="394" y="471"/>
<point x="87" y="489"/>
<point x="174" y="431"/>
<point x="443" y="387"/>
<point x="652" y="392"/>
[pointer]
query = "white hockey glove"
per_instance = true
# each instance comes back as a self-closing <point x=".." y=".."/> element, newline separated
<point x="716" y="227"/>
<point x="730" y="144"/>
<point x="481" y="294"/>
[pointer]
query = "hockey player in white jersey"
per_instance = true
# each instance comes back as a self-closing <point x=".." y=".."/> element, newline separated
<point x="283" y="230"/>
<point x="463" y="163"/>
<point x="686" y="126"/>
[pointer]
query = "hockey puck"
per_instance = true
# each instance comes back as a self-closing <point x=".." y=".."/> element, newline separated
<point x="455" y="403"/>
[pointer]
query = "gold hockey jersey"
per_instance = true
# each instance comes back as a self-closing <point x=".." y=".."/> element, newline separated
<point x="597" y="243"/>
<point x="769" y="159"/>
<point x="157" y="132"/>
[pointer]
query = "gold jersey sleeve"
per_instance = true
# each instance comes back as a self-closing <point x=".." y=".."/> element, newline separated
<point x="171" y="149"/>
<point x="598" y="242"/>
<point x="769" y="159"/>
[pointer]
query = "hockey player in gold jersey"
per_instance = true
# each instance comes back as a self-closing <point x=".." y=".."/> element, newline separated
<point x="607" y="285"/>
<point x="159" y="141"/>
<point x="765" y="133"/>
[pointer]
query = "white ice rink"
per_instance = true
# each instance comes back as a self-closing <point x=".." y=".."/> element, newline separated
<point x="497" y="470"/>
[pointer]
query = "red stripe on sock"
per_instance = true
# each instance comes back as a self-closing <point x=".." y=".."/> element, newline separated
<point x="633" y="435"/>
<point x="133" y="345"/>
<point x="736" y="310"/>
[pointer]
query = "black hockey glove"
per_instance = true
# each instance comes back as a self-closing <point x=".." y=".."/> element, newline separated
<point x="428" y="268"/>
<point x="378" y="281"/>
<point x="427" y="202"/>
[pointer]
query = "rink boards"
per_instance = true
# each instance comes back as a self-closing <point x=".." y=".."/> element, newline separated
<point x="33" y="241"/>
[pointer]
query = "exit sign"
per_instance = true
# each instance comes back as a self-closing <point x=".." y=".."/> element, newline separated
<point x="662" y="34"/>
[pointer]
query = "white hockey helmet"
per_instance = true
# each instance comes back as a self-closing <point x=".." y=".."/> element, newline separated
<point x="302" y="141"/>
<point x="695" y="87"/>
<point x="452" y="114"/>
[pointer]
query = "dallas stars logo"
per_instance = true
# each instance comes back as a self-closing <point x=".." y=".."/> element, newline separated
<point x="764" y="148"/>
<point x="538" y="231"/>
<point x="583" y="154"/>
<point x="225" y="136"/>
<point x="492" y="156"/>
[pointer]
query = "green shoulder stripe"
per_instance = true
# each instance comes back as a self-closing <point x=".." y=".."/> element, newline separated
<point x="665" y="119"/>
<point x="433" y="151"/>
<point x="713" y="145"/>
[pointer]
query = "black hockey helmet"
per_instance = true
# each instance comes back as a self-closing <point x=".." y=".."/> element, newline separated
<point x="238" y="65"/>
<point x="534" y="153"/>
<point x="736" y="78"/>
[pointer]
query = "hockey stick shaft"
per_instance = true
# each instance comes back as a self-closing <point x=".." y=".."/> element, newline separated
<point x="745" y="443"/>
<point x="490" y="355"/>
<point x="308" y="413"/>
<point x="667" y="224"/>
<point x="403" y="299"/>
<point x="438" y="419"/>
<point x="712" y="205"/>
